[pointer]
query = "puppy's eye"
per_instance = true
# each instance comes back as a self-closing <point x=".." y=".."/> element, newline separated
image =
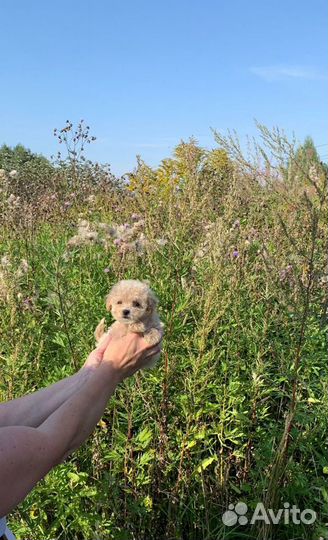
<point x="135" y="303"/>
<point x="119" y="302"/>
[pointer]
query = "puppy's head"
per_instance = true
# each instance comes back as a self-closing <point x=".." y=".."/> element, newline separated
<point x="131" y="301"/>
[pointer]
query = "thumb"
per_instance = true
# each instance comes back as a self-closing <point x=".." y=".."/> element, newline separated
<point x="103" y="344"/>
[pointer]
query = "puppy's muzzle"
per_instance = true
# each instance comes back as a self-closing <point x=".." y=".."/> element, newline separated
<point x="126" y="313"/>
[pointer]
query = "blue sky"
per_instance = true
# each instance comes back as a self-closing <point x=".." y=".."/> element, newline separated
<point x="146" y="74"/>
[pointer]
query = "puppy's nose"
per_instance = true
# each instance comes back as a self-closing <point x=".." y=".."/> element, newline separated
<point x="126" y="312"/>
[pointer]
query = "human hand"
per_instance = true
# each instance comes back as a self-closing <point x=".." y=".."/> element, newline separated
<point x="95" y="357"/>
<point x="124" y="353"/>
<point x="127" y="354"/>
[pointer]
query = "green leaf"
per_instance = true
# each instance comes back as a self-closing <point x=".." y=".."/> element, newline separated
<point x="191" y="444"/>
<point x="59" y="340"/>
<point x="206" y="463"/>
<point x="145" y="436"/>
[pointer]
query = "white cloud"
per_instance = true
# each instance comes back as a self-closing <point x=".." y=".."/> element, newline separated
<point x="281" y="72"/>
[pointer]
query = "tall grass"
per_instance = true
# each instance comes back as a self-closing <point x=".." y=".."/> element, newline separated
<point x="235" y="248"/>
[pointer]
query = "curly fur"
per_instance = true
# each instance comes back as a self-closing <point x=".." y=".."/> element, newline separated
<point x="133" y="306"/>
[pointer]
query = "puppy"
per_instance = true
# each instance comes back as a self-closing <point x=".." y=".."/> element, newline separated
<point x="133" y="306"/>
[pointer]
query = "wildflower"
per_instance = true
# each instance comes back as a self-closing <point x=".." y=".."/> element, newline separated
<point x="126" y="247"/>
<point x="200" y="253"/>
<point x="4" y="290"/>
<point x="107" y="229"/>
<point x="235" y="253"/>
<point x="139" y="224"/>
<point x="161" y="241"/>
<point x="117" y="241"/>
<point x="323" y="280"/>
<point x="75" y="241"/>
<point x="83" y="223"/>
<point x="106" y="270"/>
<point x="140" y="244"/>
<point x="24" y="266"/>
<point x="13" y="201"/>
<point x="5" y="261"/>
<point x="139" y="247"/>
<point x="13" y="174"/>
<point x="27" y="303"/>
<point x="90" y="236"/>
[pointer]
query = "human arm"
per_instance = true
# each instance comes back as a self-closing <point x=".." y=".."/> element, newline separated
<point x="27" y="454"/>
<point x="32" y="409"/>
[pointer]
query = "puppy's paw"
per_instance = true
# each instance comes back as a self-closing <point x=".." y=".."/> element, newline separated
<point x="153" y="336"/>
<point x="100" y="330"/>
<point x="138" y="327"/>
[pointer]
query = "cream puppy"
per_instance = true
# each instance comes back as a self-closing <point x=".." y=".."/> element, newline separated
<point x="133" y="306"/>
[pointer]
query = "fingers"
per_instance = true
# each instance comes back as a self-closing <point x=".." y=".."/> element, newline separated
<point x="103" y="345"/>
<point x="147" y="357"/>
<point x="153" y="351"/>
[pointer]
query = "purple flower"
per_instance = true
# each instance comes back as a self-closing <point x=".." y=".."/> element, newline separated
<point x="117" y="242"/>
<point x="27" y="303"/>
<point x="235" y="253"/>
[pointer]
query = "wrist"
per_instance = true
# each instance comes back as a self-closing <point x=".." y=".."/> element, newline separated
<point x="85" y="372"/>
<point x="110" y="372"/>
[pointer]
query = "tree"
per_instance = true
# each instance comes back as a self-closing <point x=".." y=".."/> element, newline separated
<point x="17" y="157"/>
<point x="305" y="160"/>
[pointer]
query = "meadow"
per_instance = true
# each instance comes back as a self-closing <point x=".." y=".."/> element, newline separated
<point x="235" y="247"/>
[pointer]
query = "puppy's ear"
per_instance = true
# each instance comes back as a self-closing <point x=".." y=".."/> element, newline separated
<point x="109" y="298"/>
<point x="108" y="302"/>
<point x="152" y="301"/>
